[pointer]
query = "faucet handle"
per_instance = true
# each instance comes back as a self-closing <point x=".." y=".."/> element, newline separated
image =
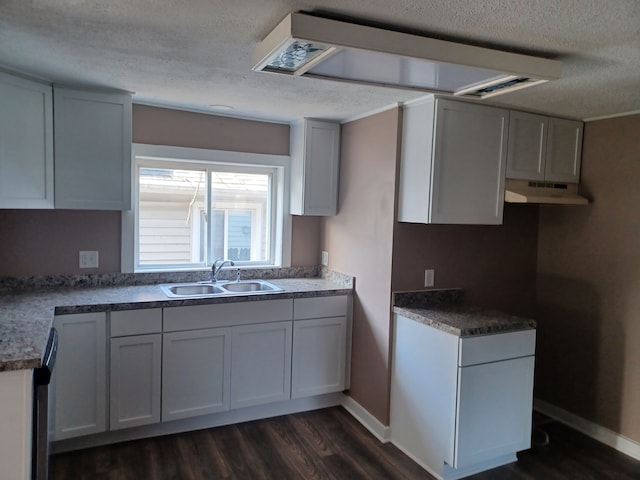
<point x="238" y="275"/>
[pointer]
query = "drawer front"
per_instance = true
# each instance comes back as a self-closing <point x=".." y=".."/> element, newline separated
<point x="226" y="314"/>
<point x="136" y="322"/>
<point x="492" y="348"/>
<point x="319" y="307"/>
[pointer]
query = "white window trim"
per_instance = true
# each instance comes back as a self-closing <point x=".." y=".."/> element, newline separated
<point x="198" y="155"/>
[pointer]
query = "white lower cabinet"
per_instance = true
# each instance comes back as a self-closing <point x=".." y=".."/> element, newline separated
<point x="260" y="364"/>
<point x="196" y="368"/>
<point x="135" y="370"/>
<point x="320" y="339"/>
<point x="319" y="356"/>
<point x="80" y="376"/>
<point x="135" y="381"/>
<point x="167" y="364"/>
<point x="461" y="405"/>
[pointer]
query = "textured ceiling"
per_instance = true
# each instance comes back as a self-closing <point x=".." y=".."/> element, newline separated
<point x="194" y="53"/>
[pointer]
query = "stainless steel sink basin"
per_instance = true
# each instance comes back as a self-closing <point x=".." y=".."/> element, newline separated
<point x="191" y="290"/>
<point x="248" y="287"/>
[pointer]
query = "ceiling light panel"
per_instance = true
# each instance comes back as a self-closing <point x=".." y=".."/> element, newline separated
<point x="306" y="45"/>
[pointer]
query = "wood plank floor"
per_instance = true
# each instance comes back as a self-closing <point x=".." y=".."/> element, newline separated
<point x="323" y="444"/>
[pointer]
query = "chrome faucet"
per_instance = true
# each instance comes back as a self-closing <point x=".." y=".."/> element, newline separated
<point x="215" y="268"/>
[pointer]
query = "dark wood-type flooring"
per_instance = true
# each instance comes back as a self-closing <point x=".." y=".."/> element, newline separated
<point x="323" y="444"/>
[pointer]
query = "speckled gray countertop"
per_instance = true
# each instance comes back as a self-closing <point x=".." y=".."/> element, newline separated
<point x="25" y="318"/>
<point x="445" y="310"/>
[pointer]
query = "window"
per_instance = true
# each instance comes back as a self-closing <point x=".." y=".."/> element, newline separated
<point x="194" y="206"/>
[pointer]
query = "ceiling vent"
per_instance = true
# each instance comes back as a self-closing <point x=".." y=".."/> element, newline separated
<point x="305" y="45"/>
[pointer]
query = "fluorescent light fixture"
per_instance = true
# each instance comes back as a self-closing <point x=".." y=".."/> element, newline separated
<point x="305" y="45"/>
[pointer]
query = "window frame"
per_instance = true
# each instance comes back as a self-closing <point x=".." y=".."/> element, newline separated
<point x="162" y="156"/>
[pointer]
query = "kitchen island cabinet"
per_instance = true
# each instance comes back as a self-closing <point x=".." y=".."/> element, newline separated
<point x="16" y="397"/>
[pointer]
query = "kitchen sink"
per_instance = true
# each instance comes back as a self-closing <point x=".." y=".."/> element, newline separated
<point x="252" y="286"/>
<point x="191" y="289"/>
<point x="202" y="289"/>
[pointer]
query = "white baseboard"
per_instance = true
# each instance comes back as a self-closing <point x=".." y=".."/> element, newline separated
<point x="371" y="423"/>
<point x="593" y="430"/>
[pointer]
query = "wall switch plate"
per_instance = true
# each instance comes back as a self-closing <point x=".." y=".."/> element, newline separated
<point x="429" y="277"/>
<point x="88" y="259"/>
<point x="325" y="259"/>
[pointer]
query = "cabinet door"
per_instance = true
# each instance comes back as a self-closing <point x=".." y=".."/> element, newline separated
<point x="315" y="166"/>
<point x="80" y="376"/>
<point x="494" y="409"/>
<point x="26" y="144"/>
<point x="527" y="148"/>
<point x="319" y="356"/>
<point x="469" y="157"/>
<point x="564" y="151"/>
<point x="195" y="373"/>
<point x="261" y="364"/>
<point x="135" y="381"/>
<point x="92" y="150"/>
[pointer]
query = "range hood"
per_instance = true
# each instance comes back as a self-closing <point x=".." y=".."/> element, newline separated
<point x="306" y="45"/>
<point x="524" y="191"/>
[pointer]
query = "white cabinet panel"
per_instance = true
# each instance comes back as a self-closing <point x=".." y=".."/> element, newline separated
<point x="319" y="307"/>
<point x="319" y="356"/>
<point x="469" y="161"/>
<point x="460" y="420"/>
<point x="453" y="163"/>
<point x="527" y="150"/>
<point x="224" y="314"/>
<point x="80" y="376"/>
<point x="261" y="364"/>
<point x="26" y="143"/>
<point x="92" y="150"/>
<point x="564" y="151"/>
<point x="135" y="381"/>
<point x="196" y="367"/>
<point x="315" y="155"/>
<point x="544" y="148"/>
<point x="136" y="322"/>
<point x="494" y="410"/>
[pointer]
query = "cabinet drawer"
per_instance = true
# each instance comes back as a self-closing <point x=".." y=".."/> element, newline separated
<point x="318" y="307"/>
<point x="136" y="322"/>
<point x="492" y="348"/>
<point x="226" y="314"/>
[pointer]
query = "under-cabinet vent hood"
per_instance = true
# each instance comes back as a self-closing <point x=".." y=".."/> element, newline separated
<point x="523" y="191"/>
<point x="323" y="48"/>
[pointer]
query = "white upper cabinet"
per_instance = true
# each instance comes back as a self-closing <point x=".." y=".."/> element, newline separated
<point x="92" y="150"/>
<point x="453" y="163"/>
<point x="527" y="151"/>
<point x="544" y="148"/>
<point x="26" y="143"/>
<point x="564" y="150"/>
<point x="315" y="155"/>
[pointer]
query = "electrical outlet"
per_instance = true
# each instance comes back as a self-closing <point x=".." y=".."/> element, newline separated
<point x="325" y="259"/>
<point x="88" y="259"/>
<point x="429" y="277"/>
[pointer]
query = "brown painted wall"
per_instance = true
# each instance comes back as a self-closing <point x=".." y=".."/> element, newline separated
<point x="46" y="242"/>
<point x="65" y="232"/>
<point x="359" y="241"/>
<point x="494" y="264"/>
<point x="588" y="356"/>
<point x="163" y="126"/>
